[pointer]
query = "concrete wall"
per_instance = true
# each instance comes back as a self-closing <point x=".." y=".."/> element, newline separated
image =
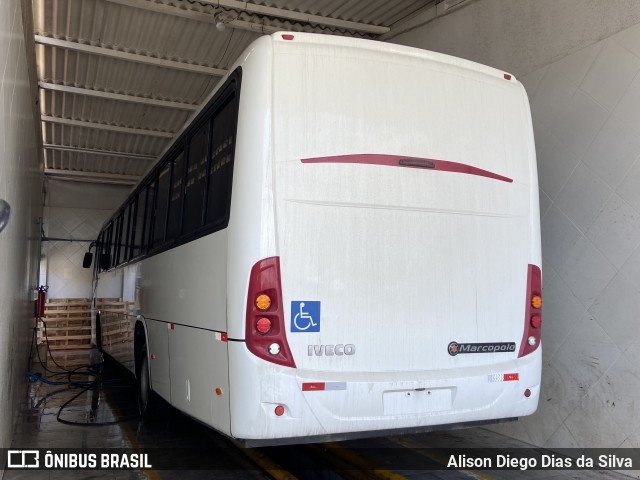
<point x="586" y="110"/>
<point x="21" y="186"/>
<point x="74" y="211"/>
<point x="520" y="36"/>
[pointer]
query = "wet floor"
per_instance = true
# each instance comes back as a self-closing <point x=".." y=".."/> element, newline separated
<point x="75" y="401"/>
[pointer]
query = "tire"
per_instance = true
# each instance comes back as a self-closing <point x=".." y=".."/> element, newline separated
<point x="147" y="401"/>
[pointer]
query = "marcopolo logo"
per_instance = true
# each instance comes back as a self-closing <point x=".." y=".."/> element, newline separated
<point x="456" y="348"/>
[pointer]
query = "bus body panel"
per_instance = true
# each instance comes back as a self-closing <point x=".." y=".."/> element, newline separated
<point x="180" y="295"/>
<point x="199" y="375"/>
<point x="159" y="361"/>
<point x="188" y="280"/>
<point x="251" y="226"/>
<point x="184" y="295"/>
<point x="400" y="262"/>
<point x="354" y="403"/>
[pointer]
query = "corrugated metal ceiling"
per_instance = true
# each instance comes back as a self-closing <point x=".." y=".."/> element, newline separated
<point x="119" y="78"/>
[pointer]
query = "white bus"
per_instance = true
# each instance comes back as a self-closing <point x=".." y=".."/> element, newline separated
<point x="344" y="243"/>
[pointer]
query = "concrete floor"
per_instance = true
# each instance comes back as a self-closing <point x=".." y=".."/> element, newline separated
<point x="104" y="415"/>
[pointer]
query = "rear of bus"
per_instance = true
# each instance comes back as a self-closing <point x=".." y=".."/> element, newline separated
<point x="405" y="253"/>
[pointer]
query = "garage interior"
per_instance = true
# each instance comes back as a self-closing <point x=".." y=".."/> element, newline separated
<point x="93" y="91"/>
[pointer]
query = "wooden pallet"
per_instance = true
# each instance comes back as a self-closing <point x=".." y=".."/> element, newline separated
<point x="115" y="316"/>
<point x="69" y="324"/>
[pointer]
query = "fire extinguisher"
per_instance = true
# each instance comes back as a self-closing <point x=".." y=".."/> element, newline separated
<point x="42" y="290"/>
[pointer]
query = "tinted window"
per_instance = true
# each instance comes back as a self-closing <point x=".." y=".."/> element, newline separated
<point x="221" y="165"/>
<point x="175" y="201"/>
<point x="195" y="183"/>
<point x="137" y="225"/>
<point x="124" y="237"/>
<point x="184" y="197"/>
<point x="160" y="222"/>
<point x="105" y="247"/>
<point x="115" y="240"/>
<point x="109" y="243"/>
<point x="149" y="215"/>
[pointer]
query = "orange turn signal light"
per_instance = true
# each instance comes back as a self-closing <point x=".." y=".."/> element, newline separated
<point x="536" y="301"/>
<point x="263" y="302"/>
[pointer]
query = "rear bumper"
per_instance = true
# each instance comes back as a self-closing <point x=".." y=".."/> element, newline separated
<point x="365" y="404"/>
<point x="341" y="437"/>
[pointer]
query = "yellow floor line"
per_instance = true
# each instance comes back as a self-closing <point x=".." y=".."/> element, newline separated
<point x="342" y="468"/>
<point x="150" y="473"/>
<point x="442" y="459"/>
<point x="356" y="460"/>
<point x="265" y="463"/>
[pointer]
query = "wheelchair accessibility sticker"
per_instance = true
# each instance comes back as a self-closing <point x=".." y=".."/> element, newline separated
<point x="305" y="316"/>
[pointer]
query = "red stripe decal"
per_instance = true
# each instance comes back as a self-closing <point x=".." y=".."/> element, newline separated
<point x="312" y="386"/>
<point x="408" y="162"/>
<point x="510" y="377"/>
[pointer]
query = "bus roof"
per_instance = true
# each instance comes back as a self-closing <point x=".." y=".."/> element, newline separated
<point x="389" y="48"/>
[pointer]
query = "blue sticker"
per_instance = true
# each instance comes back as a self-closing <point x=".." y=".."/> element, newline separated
<point x="305" y="316"/>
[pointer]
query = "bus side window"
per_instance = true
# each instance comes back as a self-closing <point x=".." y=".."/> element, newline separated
<point x="115" y="240"/>
<point x="160" y="222"/>
<point x="175" y="200"/>
<point x="124" y="236"/>
<point x="195" y="183"/>
<point x="106" y="258"/>
<point x="221" y="165"/>
<point x="138" y="224"/>
<point x="149" y="216"/>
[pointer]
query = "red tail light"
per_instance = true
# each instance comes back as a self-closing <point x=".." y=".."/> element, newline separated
<point x="263" y="325"/>
<point x="270" y="343"/>
<point x="532" y="312"/>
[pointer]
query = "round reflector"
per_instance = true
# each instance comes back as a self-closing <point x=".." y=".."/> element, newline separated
<point x="279" y="410"/>
<point x="263" y="325"/>
<point x="263" y="302"/>
<point x="527" y="393"/>
<point x="536" y="321"/>
<point x="536" y="301"/>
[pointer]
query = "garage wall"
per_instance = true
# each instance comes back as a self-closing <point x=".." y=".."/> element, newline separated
<point x="586" y="110"/>
<point x="21" y="186"/>
<point x="74" y="211"/>
<point x="520" y="36"/>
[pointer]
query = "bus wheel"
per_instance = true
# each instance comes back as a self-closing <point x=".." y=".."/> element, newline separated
<point x="146" y="398"/>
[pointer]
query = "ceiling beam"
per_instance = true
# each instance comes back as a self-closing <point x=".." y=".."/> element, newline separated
<point x="103" y="126"/>
<point x="430" y="11"/>
<point x="198" y="16"/>
<point x="107" y="153"/>
<point x="298" y="16"/>
<point x="257" y="10"/>
<point x="95" y="177"/>
<point x="115" y="96"/>
<point x="132" y="57"/>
